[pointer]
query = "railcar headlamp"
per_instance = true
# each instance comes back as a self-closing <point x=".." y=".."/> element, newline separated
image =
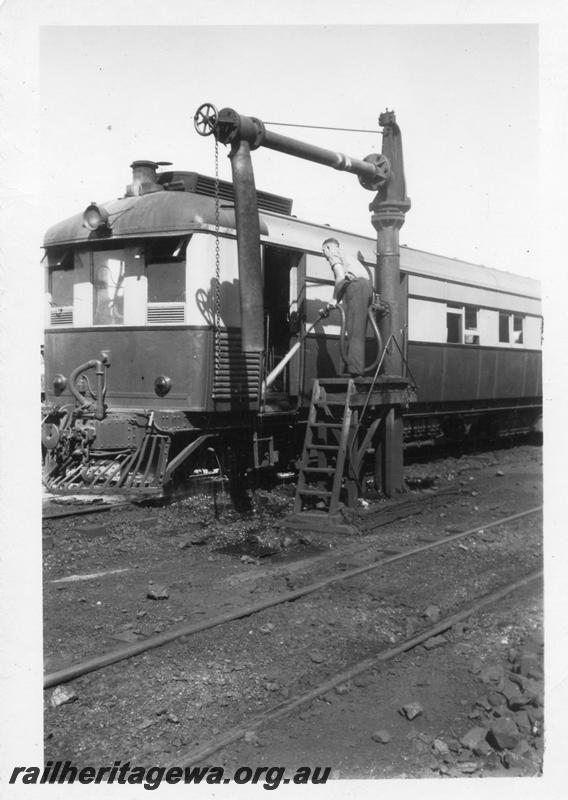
<point x="59" y="383"/>
<point x="95" y="217"/>
<point x="162" y="385"/>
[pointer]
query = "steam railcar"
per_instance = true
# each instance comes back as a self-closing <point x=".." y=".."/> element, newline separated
<point x="144" y="371"/>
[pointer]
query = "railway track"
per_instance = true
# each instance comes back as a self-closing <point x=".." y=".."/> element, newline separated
<point x="122" y="653"/>
<point x="283" y="709"/>
<point x="242" y="724"/>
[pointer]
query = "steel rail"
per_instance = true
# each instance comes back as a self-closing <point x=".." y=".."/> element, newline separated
<point x="286" y="707"/>
<point x="189" y="629"/>
<point x="91" y="509"/>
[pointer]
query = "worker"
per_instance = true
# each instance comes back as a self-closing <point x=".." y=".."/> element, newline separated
<point x="353" y="287"/>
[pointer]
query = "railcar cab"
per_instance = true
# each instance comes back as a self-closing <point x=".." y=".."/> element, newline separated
<point x="126" y="284"/>
<point x="153" y="278"/>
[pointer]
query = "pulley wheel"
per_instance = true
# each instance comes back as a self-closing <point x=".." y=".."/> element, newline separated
<point x="206" y="119"/>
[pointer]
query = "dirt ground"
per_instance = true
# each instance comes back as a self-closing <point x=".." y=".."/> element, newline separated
<point x="115" y="578"/>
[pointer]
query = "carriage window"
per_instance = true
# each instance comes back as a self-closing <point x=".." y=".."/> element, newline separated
<point x="517" y="329"/>
<point x="503" y="327"/>
<point x="470" y="318"/>
<point x="108" y="280"/>
<point x="165" y="269"/>
<point x="454" y="323"/>
<point x="471" y="335"/>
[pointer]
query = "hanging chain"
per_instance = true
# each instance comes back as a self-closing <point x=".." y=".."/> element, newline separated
<point x="217" y="299"/>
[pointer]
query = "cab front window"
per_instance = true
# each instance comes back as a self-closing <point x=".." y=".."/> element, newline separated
<point x="108" y="287"/>
<point x="61" y="277"/>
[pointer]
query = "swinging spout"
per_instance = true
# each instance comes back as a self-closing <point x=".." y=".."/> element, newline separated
<point x="245" y="134"/>
<point x="229" y="127"/>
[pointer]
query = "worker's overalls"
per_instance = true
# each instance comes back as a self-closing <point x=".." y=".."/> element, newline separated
<point x="356" y="295"/>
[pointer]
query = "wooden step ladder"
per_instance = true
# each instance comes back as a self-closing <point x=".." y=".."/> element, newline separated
<point x="331" y="426"/>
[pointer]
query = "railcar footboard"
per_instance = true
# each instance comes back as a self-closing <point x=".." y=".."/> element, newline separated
<point x="86" y="455"/>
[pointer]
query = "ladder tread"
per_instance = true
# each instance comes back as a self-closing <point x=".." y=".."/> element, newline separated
<point x="330" y="393"/>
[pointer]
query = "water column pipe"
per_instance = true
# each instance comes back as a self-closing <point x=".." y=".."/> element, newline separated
<point x="389" y="209"/>
<point x="251" y="292"/>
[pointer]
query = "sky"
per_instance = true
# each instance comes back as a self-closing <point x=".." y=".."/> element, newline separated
<point x="465" y="96"/>
<point x="479" y="88"/>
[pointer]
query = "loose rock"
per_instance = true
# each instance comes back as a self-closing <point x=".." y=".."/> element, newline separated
<point x="432" y="613"/>
<point x="382" y="736"/>
<point x="523" y="722"/>
<point x="363" y="680"/>
<point x="495" y="699"/>
<point x="411" y="710"/>
<point x="492" y="674"/>
<point x="482" y="748"/>
<point x="467" y="767"/>
<point x="503" y="734"/>
<point x="158" y="592"/>
<point x="440" y="748"/>
<point x="268" y="628"/>
<point x="62" y="696"/>
<point x="472" y="738"/>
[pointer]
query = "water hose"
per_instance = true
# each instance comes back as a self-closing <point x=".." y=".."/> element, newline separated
<point x="271" y="377"/>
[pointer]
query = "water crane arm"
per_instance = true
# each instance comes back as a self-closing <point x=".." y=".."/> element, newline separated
<point x="229" y="127"/>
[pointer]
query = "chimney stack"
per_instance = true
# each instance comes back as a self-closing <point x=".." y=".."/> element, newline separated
<point x="144" y="178"/>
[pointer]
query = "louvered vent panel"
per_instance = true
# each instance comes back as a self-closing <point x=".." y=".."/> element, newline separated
<point x="164" y="313"/>
<point x="61" y="316"/>
<point x="203" y="184"/>
<point x="237" y="374"/>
